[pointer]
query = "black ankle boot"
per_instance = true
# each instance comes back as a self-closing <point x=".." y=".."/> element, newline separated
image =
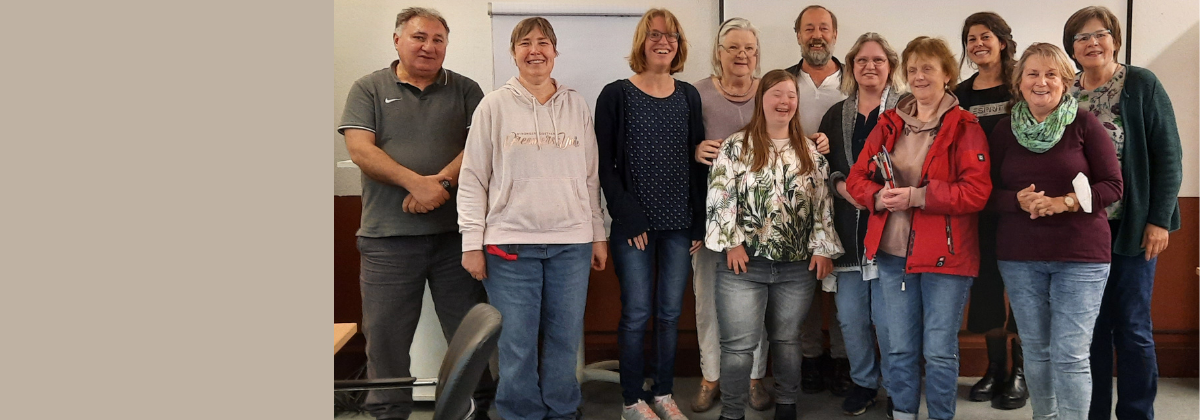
<point x="839" y="382"/>
<point x="811" y="381"/>
<point x="994" y="377"/>
<point x="785" y="411"/>
<point x="1013" y="394"/>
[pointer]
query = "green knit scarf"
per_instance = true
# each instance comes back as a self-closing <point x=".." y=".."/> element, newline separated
<point x="1040" y="137"/>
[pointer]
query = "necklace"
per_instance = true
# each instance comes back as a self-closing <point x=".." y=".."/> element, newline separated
<point x="747" y="92"/>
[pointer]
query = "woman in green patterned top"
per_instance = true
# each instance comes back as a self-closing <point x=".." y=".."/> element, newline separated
<point x="1134" y="108"/>
<point x="770" y="211"/>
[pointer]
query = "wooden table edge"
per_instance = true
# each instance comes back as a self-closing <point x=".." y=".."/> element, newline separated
<point x="342" y="334"/>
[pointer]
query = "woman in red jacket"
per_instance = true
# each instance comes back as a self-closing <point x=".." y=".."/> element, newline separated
<point x="924" y="174"/>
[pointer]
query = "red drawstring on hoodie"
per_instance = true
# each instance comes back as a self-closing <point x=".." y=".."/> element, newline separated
<point x="495" y="250"/>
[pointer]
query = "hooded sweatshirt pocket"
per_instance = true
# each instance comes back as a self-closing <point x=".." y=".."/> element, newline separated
<point x="544" y="204"/>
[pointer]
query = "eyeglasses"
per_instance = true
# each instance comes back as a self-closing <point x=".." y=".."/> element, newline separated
<point x="862" y="61"/>
<point x="735" y="50"/>
<point x="1100" y="35"/>
<point x="656" y="36"/>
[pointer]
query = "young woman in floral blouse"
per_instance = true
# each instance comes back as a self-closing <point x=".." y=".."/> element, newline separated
<point x="770" y="211"/>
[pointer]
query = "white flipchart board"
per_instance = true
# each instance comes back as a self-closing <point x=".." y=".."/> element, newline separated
<point x="593" y="46"/>
<point x="593" y="43"/>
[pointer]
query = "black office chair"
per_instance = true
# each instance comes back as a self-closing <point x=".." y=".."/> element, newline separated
<point x="465" y="361"/>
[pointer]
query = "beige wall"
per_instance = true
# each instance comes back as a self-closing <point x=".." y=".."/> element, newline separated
<point x="1165" y="34"/>
<point x="1166" y="40"/>
<point x="362" y="43"/>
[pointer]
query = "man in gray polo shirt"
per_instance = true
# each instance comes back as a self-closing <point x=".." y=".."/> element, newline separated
<point x="405" y="127"/>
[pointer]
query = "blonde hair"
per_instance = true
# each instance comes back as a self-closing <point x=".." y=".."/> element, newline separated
<point x="849" y="84"/>
<point x="936" y="49"/>
<point x="1055" y="56"/>
<point x="637" y="57"/>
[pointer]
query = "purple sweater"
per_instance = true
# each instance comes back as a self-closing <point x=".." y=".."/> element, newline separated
<point x="1076" y="237"/>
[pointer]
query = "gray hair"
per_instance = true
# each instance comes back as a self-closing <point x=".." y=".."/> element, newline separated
<point x="416" y="12"/>
<point x="730" y="25"/>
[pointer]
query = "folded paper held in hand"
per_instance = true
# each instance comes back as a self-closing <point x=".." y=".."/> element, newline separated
<point x="883" y="161"/>
<point x="1083" y="192"/>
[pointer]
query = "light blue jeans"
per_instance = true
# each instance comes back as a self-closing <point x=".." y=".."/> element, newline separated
<point x="545" y="290"/>
<point x="924" y="310"/>
<point x="777" y="293"/>
<point x="704" y="283"/>
<point x="860" y="304"/>
<point x="1055" y="305"/>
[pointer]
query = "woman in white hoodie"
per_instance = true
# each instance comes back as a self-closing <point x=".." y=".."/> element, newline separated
<point x="529" y="212"/>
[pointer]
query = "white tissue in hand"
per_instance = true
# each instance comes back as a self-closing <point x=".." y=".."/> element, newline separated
<point x="1083" y="191"/>
<point x="829" y="283"/>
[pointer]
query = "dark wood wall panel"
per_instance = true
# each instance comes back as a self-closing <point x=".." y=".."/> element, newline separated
<point x="1176" y="303"/>
<point x="347" y="304"/>
<point x="1175" y="286"/>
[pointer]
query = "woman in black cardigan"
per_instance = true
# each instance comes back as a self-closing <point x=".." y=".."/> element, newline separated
<point x="874" y="88"/>
<point x="647" y="128"/>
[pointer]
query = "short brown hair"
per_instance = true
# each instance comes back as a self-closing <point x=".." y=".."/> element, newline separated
<point x="1076" y="22"/>
<point x="527" y="25"/>
<point x="849" y="84"/>
<point x="832" y="16"/>
<point x="1046" y="51"/>
<point x="637" y="57"/>
<point x="416" y="12"/>
<point x="936" y="49"/>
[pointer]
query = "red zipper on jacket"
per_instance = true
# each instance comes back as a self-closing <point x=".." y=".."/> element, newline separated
<point x="949" y="235"/>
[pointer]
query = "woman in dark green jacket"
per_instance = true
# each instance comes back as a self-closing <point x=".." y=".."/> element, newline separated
<point x="1133" y="106"/>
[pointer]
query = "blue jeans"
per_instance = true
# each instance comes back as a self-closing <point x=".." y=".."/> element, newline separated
<point x="1124" y="324"/>
<point x="394" y="272"/>
<point x="860" y="303"/>
<point x="544" y="290"/>
<point x="640" y="298"/>
<point x="1055" y="304"/>
<point x="778" y="293"/>
<point x="923" y="310"/>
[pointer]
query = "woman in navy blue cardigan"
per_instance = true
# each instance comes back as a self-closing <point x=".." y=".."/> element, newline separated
<point x="647" y="127"/>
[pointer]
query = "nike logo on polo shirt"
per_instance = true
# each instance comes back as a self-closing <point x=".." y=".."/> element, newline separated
<point x="388" y="101"/>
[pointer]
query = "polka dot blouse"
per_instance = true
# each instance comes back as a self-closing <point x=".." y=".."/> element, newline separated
<point x="657" y="133"/>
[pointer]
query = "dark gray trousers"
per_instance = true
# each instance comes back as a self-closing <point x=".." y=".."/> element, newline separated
<point x="394" y="272"/>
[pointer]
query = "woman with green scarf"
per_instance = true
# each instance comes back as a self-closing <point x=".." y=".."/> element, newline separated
<point x="1054" y="171"/>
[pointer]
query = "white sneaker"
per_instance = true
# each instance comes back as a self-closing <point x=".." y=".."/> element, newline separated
<point x="639" y="411"/>
<point x="666" y="408"/>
